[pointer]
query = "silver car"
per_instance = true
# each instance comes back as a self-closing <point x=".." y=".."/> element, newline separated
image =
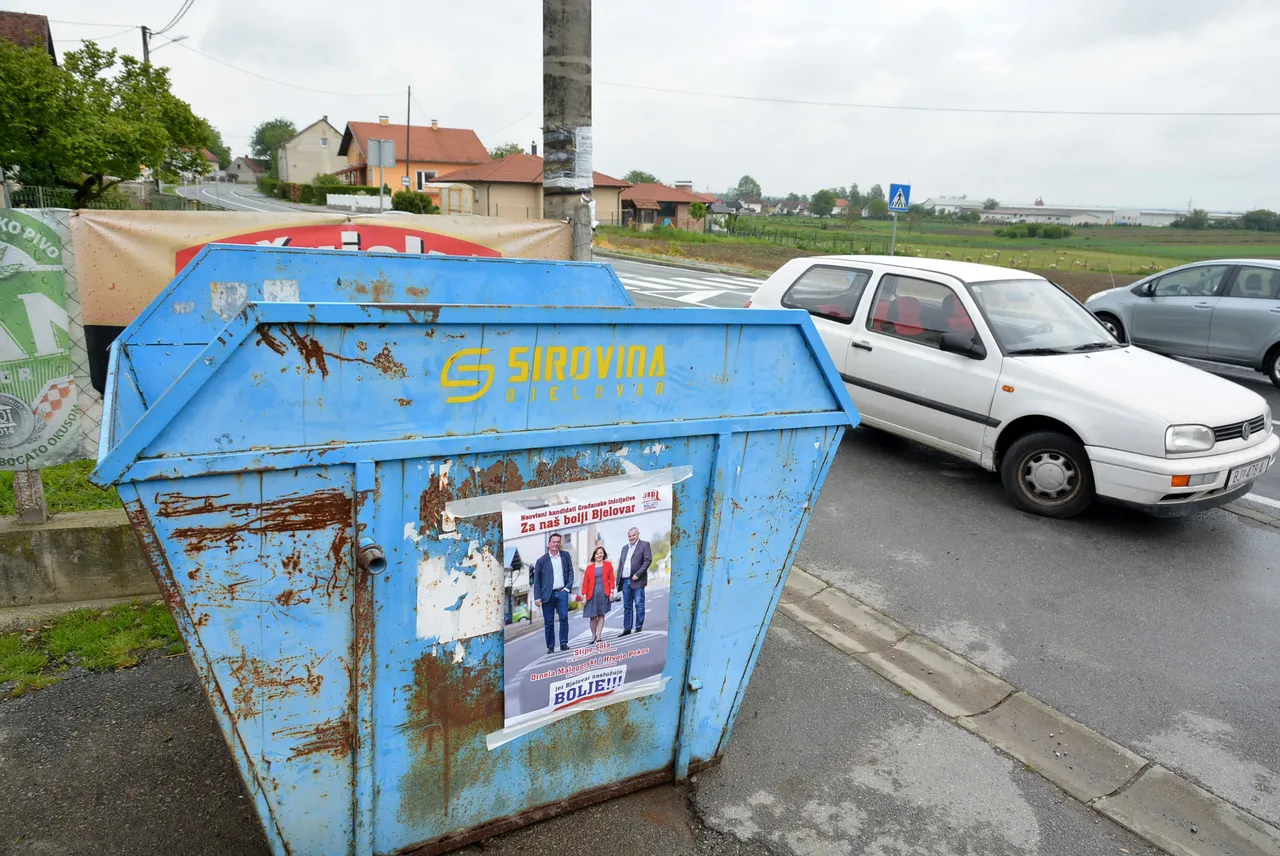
<point x="1224" y="311"/>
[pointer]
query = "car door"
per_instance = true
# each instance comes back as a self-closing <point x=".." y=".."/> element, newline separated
<point x="1175" y="313"/>
<point x="1246" y="320"/>
<point x="830" y="293"/>
<point x="899" y="375"/>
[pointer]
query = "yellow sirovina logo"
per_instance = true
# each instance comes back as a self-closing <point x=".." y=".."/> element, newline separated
<point x="557" y="365"/>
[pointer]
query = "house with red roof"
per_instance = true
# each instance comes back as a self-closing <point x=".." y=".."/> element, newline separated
<point x="512" y="187"/>
<point x="647" y="205"/>
<point x="423" y="152"/>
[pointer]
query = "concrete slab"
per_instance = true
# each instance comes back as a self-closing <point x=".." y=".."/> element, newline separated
<point x="937" y="677"/>
<point x="1077" y="759"/>
<point x="801" y="585"/>
<point x="1186" y="820"/>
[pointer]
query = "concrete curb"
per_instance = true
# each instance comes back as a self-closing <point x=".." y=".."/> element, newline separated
<point x="1252" y="514"/>
<point x="1152" y="802"/>
<point x="667" y="261"/>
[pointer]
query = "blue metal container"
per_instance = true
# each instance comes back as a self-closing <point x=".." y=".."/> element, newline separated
<point x="290" y="476"/>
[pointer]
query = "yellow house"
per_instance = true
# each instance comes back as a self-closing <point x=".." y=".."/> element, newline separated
<point x="512" y="187"/>
<point x="431" y="152"/>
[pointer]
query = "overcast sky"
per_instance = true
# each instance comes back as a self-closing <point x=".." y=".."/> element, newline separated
<point x="479" y="65"/>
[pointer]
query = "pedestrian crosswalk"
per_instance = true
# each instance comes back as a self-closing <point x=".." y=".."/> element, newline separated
<point x="690" y="287"/>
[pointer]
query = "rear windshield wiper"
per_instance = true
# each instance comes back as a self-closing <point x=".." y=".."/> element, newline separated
<point x="1036" y="352"/>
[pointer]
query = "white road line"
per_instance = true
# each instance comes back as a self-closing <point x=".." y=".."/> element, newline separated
<point x="642" y="286"/>
<point x="647" y="280"/>
<point x="251" y="207"/>
<point x="697" y="296"/>
<point x="1264" y="500"/>
<point x="705" y="282"/>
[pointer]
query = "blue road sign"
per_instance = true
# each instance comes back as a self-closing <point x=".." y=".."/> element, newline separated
<point x="899" y="197"/>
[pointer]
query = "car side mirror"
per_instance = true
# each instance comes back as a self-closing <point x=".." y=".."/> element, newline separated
<point x="964" y="344"/>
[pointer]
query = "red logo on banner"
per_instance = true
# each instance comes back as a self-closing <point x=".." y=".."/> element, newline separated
<point x="349" y="236"/>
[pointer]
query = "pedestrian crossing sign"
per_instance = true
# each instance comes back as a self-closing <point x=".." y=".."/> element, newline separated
<point x="899" y="197"/>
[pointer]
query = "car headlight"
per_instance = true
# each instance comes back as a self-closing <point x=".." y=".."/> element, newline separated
<point x="1188" y="438"/>
<point x="1266" y="419"/>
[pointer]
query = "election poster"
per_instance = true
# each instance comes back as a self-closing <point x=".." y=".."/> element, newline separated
<point x="588" y="593"/>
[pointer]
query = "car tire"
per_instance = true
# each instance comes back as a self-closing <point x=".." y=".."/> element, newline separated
<point x="1113" y="325"/>
<point x="1049" y="474"/>
<point x="1272" y="365"/>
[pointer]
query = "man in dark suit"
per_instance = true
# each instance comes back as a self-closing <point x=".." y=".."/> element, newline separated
<point x="552" y="583"/>
<point x="633" y="576"/>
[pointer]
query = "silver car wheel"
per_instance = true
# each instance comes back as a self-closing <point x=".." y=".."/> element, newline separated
<point x="1050" y="477"/>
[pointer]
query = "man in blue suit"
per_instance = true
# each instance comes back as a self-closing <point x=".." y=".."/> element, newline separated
<point x="552" y="583"/>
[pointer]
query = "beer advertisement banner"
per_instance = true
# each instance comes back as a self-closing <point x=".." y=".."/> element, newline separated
<point x="39" y="402"/>
<point x="587" y="598"/>
<point x="125" y="258"/>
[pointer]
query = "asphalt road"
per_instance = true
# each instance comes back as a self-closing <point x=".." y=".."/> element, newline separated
<point x="530" y="651"/>
<point x="240" y="197"/>
<point x="659" y="285"/>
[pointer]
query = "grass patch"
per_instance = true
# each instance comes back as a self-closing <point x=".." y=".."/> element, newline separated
<point x="98" y="640"/>
<point x="66" y="488"/>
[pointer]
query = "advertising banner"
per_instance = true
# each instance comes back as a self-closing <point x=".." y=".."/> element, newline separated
<point x="598" y="564"/>
<point x="125" y="258"/>
<point x="40" y="411"/>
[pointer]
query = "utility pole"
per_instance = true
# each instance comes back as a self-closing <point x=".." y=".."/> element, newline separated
<point x="146" y="44"/>
<point x="566" y="118"/>
<point x="408" y="115"/>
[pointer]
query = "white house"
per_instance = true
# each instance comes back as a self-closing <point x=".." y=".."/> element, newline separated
<point x="310" y="152"/>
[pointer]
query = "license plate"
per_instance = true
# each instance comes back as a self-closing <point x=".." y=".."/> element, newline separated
<point x="1247" y="473"/>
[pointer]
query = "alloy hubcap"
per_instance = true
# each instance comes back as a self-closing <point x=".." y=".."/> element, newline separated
<point x="1111" y="327"/>
<point x="1050" y="477"/>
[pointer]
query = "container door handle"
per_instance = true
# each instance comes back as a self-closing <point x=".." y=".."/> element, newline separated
<point x="862" y="346"/>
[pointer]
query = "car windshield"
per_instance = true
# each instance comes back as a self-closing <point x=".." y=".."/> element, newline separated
<point x="1033" y="317"/>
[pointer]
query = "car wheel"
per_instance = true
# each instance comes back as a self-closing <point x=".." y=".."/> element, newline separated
<point x="1272" y="365"/>
<point x="1113" y="325"/>
<point x="1048" y="473"/>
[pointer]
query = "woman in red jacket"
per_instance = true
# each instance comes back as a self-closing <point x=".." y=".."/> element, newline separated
<point x="597" y="583"/>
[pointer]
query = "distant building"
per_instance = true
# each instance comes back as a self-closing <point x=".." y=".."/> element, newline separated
<point x="430" y="151"/>
<point x="1064" y="215"/>
<point x="310" y="152"/>
<point x="27" y="31"/>
<point x="246" y="170"/>
<point x="512" y="187"/>
<point x="647" y="205"/>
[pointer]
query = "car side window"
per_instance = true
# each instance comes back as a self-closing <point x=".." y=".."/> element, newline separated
<point x="828" y="292"/>
<point x="1259" y="283"/>
<point x="1202" y="281"/>
<point x="917" y="310"/>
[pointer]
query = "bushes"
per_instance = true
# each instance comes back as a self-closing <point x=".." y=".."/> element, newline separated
<point x="267" y="186"/>
<point x="1049" y="231"/>
<point x="413" y="202"/>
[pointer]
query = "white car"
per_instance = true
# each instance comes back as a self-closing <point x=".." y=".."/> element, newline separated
<point x="1005" y="369"/>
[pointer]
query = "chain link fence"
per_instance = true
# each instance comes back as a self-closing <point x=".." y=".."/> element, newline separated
<point x="61" y="197"/>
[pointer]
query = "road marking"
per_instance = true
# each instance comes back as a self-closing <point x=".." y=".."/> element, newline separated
<point x="648" y="283"/>
<point x="246" y="202"/>
<point x="688" y="280"/>
<point x="1264" y="500"/>
<point x="697" y="296"/>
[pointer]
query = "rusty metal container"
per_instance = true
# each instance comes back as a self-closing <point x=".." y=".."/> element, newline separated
<point x="300" y="469"/>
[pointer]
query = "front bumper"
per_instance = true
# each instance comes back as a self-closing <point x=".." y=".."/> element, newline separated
<point x="1144" y="482"/>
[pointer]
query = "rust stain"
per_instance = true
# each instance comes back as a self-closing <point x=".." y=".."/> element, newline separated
<point x="334" y="738"/>
<point x="309" y="348"/>
<point x="289" y="597"/>
<point x="262" y="680"/>
<point x="404" y="402"/>
<point x="193" y="574"/>
<point x="386" y="363"/>
<point x="415" y="291"/>
<point x="312" y="512"/>
<point x="451" y="708"/>
<point x="362" y="346"/>
<point x="266" y="337"/>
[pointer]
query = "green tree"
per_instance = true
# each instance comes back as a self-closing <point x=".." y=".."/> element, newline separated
<point x="1261" y="220"/>
<point x="748" y="188"/>
<point x="698" y="210"/>
<point x="877" y="207"/>
<point x="506" y="150"/>
<point x="856" y="199"/>
<point x="876" y="192"/>
<point x="639" y="176"/>
<point x="914" y="218"/>
<point x="1196" y="219"/>
<point x="267" y="137"/>
<point x="822" y="203"/>
<point x="216" y="145"/>
<point x="93" y="122"/>
<point x="971" y="216"/>
<point x="990" y="203"/>
<point x="793" y="197"/>
<point x="916" y="208"/>
<point x="413" y="202"/>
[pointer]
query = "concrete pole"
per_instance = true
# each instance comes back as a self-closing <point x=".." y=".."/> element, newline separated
<point x="28" y="497"/>
<point x="566" y="117"/>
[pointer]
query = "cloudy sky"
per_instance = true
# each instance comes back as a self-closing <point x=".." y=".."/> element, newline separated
<point x="478" y="65"/>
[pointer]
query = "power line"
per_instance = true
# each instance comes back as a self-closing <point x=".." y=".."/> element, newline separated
<point x="182" y="10"/>
<point x="281" y="82"/>
<point x="97" y="38"/>
<point x="88" y="23"/>
<point x="509" y="124"/>
<point x="936" y="109"/>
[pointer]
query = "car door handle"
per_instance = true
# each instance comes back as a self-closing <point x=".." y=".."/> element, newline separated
<point x="1275" y="309"/>
<point x="862" y="346"/>
<point x="1204" y="306"/>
